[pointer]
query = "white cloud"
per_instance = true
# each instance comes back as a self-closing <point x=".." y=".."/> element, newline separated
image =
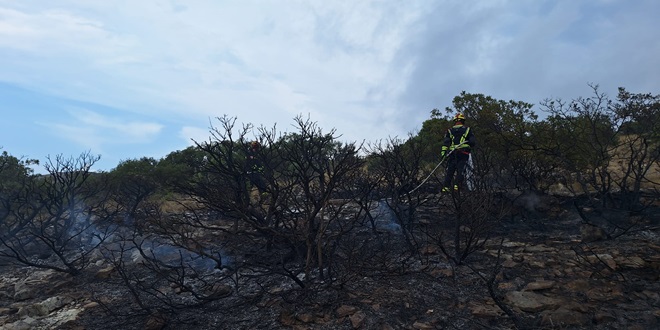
<point x="132" y="130"/>
<point x="84" y="136"/>
<point x="58" y="32"/>
<point x="190" y="133"/>
<point x="265" y="63"/>
<point x="371" y="69"/>
<point x="94" y="131"/>
<point x="530" y="51"/>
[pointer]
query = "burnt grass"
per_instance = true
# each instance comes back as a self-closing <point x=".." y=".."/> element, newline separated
<point x="402" y="290"/>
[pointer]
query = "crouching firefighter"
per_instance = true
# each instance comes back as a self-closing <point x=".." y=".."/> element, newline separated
<point x="457" y="145"/>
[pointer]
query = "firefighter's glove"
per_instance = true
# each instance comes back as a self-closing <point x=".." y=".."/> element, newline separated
<point x="444" y="151"/>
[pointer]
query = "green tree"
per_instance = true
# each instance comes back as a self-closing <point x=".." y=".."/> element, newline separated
<point x="179" y="165"/>
<point x="607" y="149"/>
<point x="13" y="175"/>
<point x="638" y="153"/>
<point x="431" y="135"/>
<point x="15" y="178"/>
<point x="134" y="181"/>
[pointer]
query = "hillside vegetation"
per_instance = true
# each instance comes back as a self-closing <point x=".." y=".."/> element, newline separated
<point x="291" y="230"/>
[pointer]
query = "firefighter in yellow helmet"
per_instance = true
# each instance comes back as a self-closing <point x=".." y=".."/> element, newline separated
<point x="254" y="167"/>
<point x="457" y="145"/>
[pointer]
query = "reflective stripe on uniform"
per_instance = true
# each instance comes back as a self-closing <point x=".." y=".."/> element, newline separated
<point x="461" y="143"/>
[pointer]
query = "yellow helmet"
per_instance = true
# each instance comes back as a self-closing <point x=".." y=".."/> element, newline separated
<point x="459" y="117"/>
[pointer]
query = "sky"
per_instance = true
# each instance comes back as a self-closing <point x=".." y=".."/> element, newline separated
<point x="129" y="79"/>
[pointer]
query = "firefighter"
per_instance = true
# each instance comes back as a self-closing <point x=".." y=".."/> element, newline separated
<point x="254" y="168"/>
<point x="457" y="145"/>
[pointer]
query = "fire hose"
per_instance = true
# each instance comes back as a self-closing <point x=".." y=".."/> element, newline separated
<point x="433" y="171"/>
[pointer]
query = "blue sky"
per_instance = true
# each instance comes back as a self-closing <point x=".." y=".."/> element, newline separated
<point x="127" y="79"/>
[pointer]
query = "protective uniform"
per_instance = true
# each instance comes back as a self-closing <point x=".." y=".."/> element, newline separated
<point x="461" y="140"/>
<point x="254" y="168"/>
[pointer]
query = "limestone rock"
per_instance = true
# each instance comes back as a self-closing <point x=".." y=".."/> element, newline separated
<point x="604" y="317"/>
<point x="387" y="327"/>
<point x="33" y="286"/>
<point x="532" y="302"/>
<point x="137" y="257"/>
<point x="484" y="310"/>
<point x="27" y="323"/>
<point x="633" y="262"/>
<point x="539" y="285"/>
<point x="563" y="317"/>
<point x="7" y="291"/>
<point x="579" y="285"/>
<point x="445" y="272"/>
<point x="539" y="248"/>
<point x="6" y="311"/>
<point x="91" y="304"/>
<point x="220" y="290"/>
<point x="537" y="264"/>
<point x="511" y="244"/>
<point x="591" y="233"/>
<point x="604" y="294"/>
<point x="45" y="307"/>
<point x="357" y="319"/>
<point x="506" y="286"/>
<point x="305" y="317"/>
<point x="509" y="263"/>
<point x="287" y="318"/>
<point x="105" y="272"/>
<point x="430" y="250"/>
<point x="581" y="307"/>
<point x="24" y="290"/>
<point x="155" y="322"/>
<point x="62" y="317"/>
<point x="345" y="310"/>
<point x="422" y="326"/>
<point x="603" y="258"/>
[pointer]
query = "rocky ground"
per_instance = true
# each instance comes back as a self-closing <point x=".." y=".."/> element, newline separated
<point x="552" y="272"/>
